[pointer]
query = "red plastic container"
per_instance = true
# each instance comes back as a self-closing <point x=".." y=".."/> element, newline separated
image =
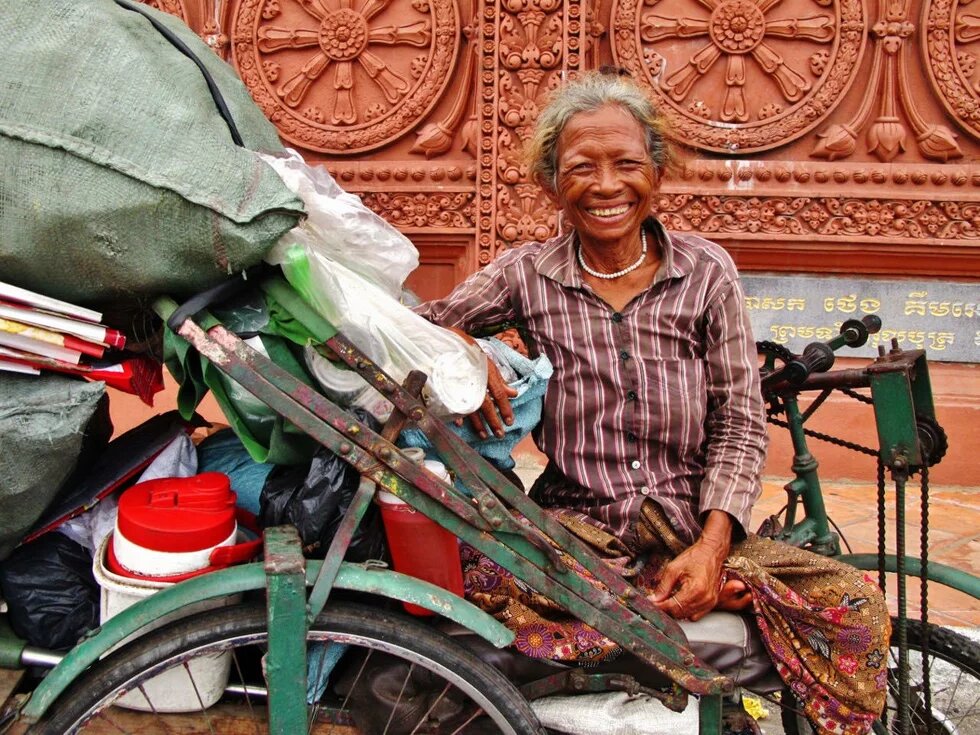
<point x="419" y="546"/>
<point x="171" y="526"/>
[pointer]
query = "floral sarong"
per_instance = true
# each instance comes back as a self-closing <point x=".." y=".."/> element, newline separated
<point x="825" y="624"/>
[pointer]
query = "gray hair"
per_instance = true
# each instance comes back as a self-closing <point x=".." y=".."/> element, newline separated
<point x="585" y="94"/>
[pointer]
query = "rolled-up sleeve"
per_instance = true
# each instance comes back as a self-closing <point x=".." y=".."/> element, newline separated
<point x="481" y="301"/>
<point x="735" y="424"/>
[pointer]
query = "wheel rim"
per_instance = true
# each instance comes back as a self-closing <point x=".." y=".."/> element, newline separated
<point x="244" y="698"/>
<point x="955" y="690"/>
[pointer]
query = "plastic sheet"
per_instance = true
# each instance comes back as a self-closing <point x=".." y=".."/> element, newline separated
<point x="350" y="265"/>
<point x="52" y="596"/>
<point x="315" y="499"/>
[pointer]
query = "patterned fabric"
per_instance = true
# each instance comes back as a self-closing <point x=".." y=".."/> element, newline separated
<point x="660" y="400"/>
<point x="825" y="624"/>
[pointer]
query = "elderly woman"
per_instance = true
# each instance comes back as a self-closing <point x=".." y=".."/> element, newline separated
<point x="653" y="424"/>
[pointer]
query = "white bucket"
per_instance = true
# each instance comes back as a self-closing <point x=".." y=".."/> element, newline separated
<point x="173" y="690"/>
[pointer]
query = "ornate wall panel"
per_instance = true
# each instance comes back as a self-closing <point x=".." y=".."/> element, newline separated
<point x="820" y="135"/>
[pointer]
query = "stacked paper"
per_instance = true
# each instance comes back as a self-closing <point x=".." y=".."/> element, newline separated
<point x="38" y="332"/>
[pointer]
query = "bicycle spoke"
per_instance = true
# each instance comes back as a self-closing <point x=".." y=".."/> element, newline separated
<point x="431" y="708"/>
<point x="248" y="699"/>
<point x="399" y="699"/>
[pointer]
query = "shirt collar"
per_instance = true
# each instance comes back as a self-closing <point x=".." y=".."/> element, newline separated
<point x="557" y="259"/>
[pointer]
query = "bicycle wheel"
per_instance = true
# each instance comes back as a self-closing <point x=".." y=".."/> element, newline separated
<point x="369" y="670"/>
<point x="954" y="668"/>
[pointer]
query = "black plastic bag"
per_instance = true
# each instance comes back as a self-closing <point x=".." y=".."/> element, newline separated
<point x="52" y="596"/>
<point x="315" y="499"/>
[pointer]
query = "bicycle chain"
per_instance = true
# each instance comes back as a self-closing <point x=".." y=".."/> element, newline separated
<point x="771" y="418"/>
<point x="779" y="351"/>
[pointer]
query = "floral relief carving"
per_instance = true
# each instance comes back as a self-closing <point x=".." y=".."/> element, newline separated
<point x="174" y="7"/>
<point x="764" y="73"/>
<point x="455" y="210"/>
<point x="523" y="56"/>
<point x="921" y="219"/>
<point x="328" y="54"/>
<point x="890" y="88"/>
<point x="951" y="42"/>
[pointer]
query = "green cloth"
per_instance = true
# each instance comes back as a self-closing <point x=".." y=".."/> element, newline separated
<point x="120" y="178"/>
<point x="266" y="435"/>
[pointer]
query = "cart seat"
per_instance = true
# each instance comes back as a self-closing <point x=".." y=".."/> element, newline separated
<point x="729" y="642"/>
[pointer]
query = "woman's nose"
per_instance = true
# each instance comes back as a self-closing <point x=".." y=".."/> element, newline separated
<point x="607" y="179"/>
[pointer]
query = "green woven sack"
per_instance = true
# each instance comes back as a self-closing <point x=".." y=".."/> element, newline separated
<point x="119" y="176"/>
<point x="47" y="424"/>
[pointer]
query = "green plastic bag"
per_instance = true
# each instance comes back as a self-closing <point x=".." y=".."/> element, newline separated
<point x="120" y="178"/>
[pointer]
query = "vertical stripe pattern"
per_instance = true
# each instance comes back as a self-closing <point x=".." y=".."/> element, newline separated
<point x="660" y="400"/>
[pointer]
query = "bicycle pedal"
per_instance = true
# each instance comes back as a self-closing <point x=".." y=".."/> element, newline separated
<point x="770" y="527"/>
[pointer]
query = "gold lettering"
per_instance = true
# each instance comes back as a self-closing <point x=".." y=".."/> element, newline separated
<point x="847" y="304"/>
<point x="917" y="338"/>
<point x="795" y="304"/>
<point x="828" y="304"/>
<point x="805" y="332"/>
<point x="939" y="308"/>
<point x="751" y="302"/>
<point x="782" y="333"/>
<point x="940" y="340"/>
<point x="870" y="306"/>
<point x="825" y="333"/>
<point x="914" y="303"/>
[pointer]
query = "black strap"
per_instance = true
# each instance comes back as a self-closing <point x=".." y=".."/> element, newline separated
<point x="179" y="44"/>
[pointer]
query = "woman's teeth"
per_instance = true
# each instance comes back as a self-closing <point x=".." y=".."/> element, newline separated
<point x="610" y="211"/>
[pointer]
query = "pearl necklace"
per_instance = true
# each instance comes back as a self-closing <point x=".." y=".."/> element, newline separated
<point x="617" y="274"/>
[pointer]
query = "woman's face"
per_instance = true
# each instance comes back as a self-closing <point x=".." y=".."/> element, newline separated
<point x="605" y="179"/>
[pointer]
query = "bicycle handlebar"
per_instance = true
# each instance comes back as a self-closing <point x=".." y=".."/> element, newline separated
<point x="818" y="357"/>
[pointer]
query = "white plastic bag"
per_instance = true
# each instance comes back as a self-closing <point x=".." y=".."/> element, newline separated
<point x="350" y="265"/>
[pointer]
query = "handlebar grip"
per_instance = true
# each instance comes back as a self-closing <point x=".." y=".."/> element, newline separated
<point x="855" y="331"/>
<point x="817" y="357"/>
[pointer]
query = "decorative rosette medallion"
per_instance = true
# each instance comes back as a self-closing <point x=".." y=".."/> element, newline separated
<point x="740" y="76"/>
<point x="345" y="76"/>
<point x="951" y="43"/>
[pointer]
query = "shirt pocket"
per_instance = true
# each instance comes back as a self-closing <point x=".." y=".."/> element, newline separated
<point x="676" y="403"/>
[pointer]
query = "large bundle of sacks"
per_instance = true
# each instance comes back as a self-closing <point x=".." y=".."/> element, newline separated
<point x="121" y="180"/>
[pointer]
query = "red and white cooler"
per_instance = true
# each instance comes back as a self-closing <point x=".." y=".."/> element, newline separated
<point x="169" y="530"/>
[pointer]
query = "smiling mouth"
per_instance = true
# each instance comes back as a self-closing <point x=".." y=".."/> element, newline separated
<point x="609" y="211"/>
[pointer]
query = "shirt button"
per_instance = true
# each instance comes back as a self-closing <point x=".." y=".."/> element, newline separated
<point x="617" y="317"/>
<point x="625" y="355"/>
<point x="630" y="436"/>
<point x="645" y="490"/>
<point x="631" y="395"/>
<point x="635" y="464"/>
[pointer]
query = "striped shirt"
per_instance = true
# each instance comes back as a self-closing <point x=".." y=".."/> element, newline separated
<point x="659" y="401"/>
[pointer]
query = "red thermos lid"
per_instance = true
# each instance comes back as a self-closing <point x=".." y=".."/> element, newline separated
<point x="178" y="514"/>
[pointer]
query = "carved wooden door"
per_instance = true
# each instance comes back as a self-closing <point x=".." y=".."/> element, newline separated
<point x="822" y="135"/>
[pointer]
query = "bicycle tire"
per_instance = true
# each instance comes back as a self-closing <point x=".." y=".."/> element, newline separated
<point x="955" y="705"/>
<point x="373" y="635"/>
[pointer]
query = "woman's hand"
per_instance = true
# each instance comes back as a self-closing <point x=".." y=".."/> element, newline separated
<point x="690" y="585"/>
<point x="734" y="596"/>
<point x="496" y="409"/>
